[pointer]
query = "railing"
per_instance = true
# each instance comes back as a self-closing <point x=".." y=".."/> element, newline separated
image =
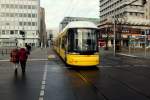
<point x="5" y="51"/>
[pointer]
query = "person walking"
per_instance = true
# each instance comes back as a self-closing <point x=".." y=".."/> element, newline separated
<point x="14" y="58"/>
<point x="23" y="56"/>
<point x="28" y="48"/>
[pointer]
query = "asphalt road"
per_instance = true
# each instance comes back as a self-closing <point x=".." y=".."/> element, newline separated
<point x="116" y="78"/>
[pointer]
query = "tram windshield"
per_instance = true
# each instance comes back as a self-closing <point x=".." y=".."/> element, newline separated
<point x="83" y="40"/>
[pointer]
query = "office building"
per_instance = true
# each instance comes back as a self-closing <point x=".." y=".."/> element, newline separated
<point x="129" y="18"/>
<point x="17" y="17"/>
<point x="42" y="32"/>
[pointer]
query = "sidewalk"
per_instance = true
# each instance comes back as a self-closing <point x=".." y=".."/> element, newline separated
<point x="4" y="57"/>
<point x="137" y="53"/>
<point x="35" y="54"/>
<point x="125" y="52"/>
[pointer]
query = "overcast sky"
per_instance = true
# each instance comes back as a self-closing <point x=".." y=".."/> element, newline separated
<point x="56" y="10"/>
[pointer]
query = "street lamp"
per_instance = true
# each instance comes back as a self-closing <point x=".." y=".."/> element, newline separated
<point x="114" y="35"/>
<point x="114" y="18"/>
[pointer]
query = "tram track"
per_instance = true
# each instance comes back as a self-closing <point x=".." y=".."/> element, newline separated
<point x="122" y="64"/>
<point x="131" y="64"/>
<point x="128" y="86"/>
<point x="85" y="79"/>
<point x="84" y="76"/>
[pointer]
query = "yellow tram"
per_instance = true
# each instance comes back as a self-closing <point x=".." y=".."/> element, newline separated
<point x="77" y="44"/>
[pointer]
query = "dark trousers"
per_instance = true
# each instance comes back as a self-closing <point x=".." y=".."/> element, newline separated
<point x="23" y="65"/>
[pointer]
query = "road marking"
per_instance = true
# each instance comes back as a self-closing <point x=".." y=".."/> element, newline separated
<point x="4" y="60"/>
<point x="127" y="55"/>
<point x="43" y="84"/>
<point x="121" y="66"/>
<point x="42" y="93"/>
<point x="37" y="59"/>
<point x="51" y="56"/>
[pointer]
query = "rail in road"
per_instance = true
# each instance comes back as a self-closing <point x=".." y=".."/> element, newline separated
<point x="116" y="78"/>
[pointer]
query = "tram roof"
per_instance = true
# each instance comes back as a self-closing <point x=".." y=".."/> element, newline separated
<point x="80" y="24"/>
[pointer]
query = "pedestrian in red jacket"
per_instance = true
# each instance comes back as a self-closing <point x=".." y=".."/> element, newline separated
<point x="14" y="58"/>
<point x="23" y="58"/>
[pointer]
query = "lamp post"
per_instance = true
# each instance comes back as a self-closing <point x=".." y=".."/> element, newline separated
<point x="114" y="18"/>
<point x="114" y="36"/>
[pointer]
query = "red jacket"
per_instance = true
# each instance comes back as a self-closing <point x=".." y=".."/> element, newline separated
<point x="14" y="56"/>
<point x="23" y="54"/>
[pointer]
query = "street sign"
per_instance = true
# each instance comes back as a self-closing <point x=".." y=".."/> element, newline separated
<point x="102" y="43"/>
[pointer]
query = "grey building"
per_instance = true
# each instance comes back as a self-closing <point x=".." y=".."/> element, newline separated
<point x="42" y="32"/>
<point x="120" y="9"/>
<point x="66" y="20"/>
<point x="130" y="21"/>
<point x="17" y="16"/>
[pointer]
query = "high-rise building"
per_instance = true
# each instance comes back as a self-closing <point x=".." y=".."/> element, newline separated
<point x="17" y="17"/>
<point x="129" y="19"/>
<point x="124" y="9"/>
<point x="42" y="32"/>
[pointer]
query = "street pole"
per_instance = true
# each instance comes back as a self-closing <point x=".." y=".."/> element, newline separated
<point x="145" y="43"/>
<point x="114" y="36"/>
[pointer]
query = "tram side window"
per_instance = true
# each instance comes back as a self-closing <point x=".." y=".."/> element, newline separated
<point x="63" y="42"/>
<point x="71" y="40"/>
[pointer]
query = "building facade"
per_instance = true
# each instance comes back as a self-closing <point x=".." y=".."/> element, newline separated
<point x="147" y="9"/>
<point x="67" y="20"/>
<point x="129" y="18"/>
<point x="51" y="35"/>
<point x="17" y="16"/>
<point x="120" y="9"/>
<point x="42" y="32"/>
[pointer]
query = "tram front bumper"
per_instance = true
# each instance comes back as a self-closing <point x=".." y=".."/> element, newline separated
<point x="83" y="60"/>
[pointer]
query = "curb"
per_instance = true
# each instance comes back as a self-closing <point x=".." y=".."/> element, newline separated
<point x="132" y="56"/>
<point x="122" y="54"/>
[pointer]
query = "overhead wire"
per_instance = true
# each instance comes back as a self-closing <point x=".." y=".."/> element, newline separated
<point x="73" y="6"/>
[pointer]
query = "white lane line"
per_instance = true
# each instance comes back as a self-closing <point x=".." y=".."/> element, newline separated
<point x="127" y="55"/>
<point x="41" y="98"/>
<point x="43" y="84"/>
<point x="4" y="60"/>
<point x="43" y="87"/>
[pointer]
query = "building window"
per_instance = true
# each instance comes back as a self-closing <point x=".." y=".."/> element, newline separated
<point x="25" y="23"/>
<point x="33" y="23"/>
<point x="16" y="32"/>
<point x="7" y="5"/>
<point x="29" y="23"/>
<point x="29" y="15"/>
<point x="33" y="15"/>
<point x="20" y="23"/>
<point x="25" y="6"/>
<point x="29" y="6"/>
<point x="7" y="32"/>
<point x="11" y="32"/>
<point x="3" y="32"/>
<point x="25" y="15"/>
